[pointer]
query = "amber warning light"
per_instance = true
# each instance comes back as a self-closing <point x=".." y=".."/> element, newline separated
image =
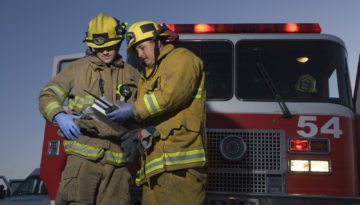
<point x="247" y="28"/>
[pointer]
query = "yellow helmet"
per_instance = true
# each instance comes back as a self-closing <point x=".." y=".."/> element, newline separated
<point x="104" y="31"/>
<point x="141" y="31"/>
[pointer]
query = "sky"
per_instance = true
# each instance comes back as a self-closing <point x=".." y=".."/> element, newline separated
<point x="32" y="32"/>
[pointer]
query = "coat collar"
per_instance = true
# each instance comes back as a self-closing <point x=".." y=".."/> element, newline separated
<point x="165" y="50"/>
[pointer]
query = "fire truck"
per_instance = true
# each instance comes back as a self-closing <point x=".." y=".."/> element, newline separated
<point x="282" y="123"/>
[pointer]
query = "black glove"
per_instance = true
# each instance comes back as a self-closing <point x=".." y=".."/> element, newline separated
<point x="131" y="146"/>
<point x="135" y="142"/>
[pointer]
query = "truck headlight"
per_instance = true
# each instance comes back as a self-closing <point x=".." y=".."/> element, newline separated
<point x="312" y="166"/>
<point x="299" y="166"/>
<point x="319" y="166"/>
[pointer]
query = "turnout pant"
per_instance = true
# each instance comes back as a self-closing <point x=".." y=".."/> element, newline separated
<point x="175" y="188"/>
<point x="85" y="182"/>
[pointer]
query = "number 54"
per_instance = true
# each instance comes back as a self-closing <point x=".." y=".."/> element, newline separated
<point x="330" y="127"/>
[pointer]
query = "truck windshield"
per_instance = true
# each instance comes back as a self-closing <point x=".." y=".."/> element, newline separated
<point x="302" y="70"/>
<point x="217" y="56"/>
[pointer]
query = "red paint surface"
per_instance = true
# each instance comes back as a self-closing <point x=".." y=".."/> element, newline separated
<point x="51" y="167"/>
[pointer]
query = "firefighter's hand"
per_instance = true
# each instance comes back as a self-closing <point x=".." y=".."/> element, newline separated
<point x="67" y="125"/>
<point x="122" y="114"/>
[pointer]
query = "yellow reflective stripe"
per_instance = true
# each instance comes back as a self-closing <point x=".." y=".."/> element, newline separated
<point x="140" y="175"/>
<point x="177" y="158"/>
<point x="56" y="90"/>
<point x="199" y="93"/>
<point x="115" y="157"/>
<point x="155" y="164"/>
<point x="157" y="106"/>
<point x="148" y="105"/>
<point x="88" y="100"/>
<point x="185" y="157"/>
<point x="152" y="104"/>
<point x="51" y="106"/>
<point x="118" y="88"/>
<point x="82" y="149"/>
<point x="80" y="102"/>
<point x="71" y="104"/>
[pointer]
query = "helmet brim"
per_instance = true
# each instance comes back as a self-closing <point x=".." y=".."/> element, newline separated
<point x="107" y="44"/>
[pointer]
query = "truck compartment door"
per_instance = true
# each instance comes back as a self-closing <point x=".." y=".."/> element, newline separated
<point x="52" y="159"/>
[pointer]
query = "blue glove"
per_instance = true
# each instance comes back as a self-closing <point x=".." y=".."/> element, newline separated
<point x="122" y="114"/>
<point x="67" y="125"/>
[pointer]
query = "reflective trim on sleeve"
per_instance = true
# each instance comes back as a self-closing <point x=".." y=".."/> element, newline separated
<point x="50" y="107"/>
<point x="80" y="102"/>
<point x="154" y="165"/>
<point x="185" y="157"/>
<point x="57" y="90"/>
<point x="152" y="104"/>
<point x="74" y="147"/>
<point x="199" y="93"/>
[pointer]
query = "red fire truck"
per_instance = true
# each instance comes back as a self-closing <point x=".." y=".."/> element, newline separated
<point x="282" y="124"/>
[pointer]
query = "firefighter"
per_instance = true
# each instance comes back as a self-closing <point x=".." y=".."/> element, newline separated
<point x="94" y="172"/>
<point x="171" y="97"/>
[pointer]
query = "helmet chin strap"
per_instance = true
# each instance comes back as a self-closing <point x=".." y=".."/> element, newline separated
<point x="156" y="55"/>
<point x="155" y="65"/>
<point x="89" y="51"/>
<point x="156" y="40"/>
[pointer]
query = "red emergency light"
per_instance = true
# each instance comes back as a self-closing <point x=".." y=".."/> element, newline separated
<point x="247" y="28"/>
<point x="291" y="28"/>
<point x="170" y="26"/>
<point x="299" y="145"/>
<point x="309" y="145"/>
<point x="204" y="28"/>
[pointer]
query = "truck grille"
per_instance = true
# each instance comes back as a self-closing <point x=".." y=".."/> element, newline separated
<point x="259" y="171"/>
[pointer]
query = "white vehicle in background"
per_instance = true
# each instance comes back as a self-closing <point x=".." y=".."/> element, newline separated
<point x="30" y="191"/>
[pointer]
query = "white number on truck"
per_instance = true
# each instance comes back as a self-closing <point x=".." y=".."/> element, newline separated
<point x="308" y="123"/>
